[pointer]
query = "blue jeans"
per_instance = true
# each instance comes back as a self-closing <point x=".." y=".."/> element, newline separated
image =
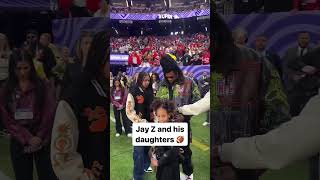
<point x="141" y="161"/>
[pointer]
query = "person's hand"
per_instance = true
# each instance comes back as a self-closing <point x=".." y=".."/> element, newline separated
<point x="298" y="77"/>
<point x="120" y="107"/>
<point x="35" y="141"/>
<point x="309" y="69"/>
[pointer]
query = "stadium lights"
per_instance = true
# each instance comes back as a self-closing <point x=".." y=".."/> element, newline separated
<point x="176" y="33"/>
<point x="171" y="33"/>
<point x="206" y="28"/>
<point x="182" y="32"/>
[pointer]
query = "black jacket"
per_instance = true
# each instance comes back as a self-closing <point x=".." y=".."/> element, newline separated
<point x="168" y="161"/>
<point x="89" y="104"/>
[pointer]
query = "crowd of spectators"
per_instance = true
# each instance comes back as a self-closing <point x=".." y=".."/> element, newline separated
<point x="147" y="50"/>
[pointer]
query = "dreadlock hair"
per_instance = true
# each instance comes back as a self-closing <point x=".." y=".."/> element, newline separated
<point x="222" y="46"/>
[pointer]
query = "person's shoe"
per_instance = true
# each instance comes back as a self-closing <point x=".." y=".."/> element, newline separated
<point x="149" y="170"/>
<point x="205" y="124"/>
<point x="129" y="135"/>
<point x="117" y="135"/>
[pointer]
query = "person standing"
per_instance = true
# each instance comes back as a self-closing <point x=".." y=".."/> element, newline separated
<point x="118" y="97"/>
<point x="80" y="135"/>
<point x="138" y="110"/>
<point x="247" y="97"/>
<point x="27" y="110"/>
<point x="182" y="91"/>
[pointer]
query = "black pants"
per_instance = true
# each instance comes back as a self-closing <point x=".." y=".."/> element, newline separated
<point x="126" y="122"/>
<point x="187" y="166"/>
<point x="314" y="167"/>
<point x="23" y="163"/>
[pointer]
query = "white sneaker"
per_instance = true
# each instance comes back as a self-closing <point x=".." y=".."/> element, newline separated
<point x="117" y="135"/>
<point x="205" y="124"/>
<point x="129" y="135"/>
<point x="185" y="177"/>
<point x="190" y="177"/>
<point x="149" y="170"/>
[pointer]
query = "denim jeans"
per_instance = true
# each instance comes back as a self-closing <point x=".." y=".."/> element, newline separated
<point x="141" y="161"/>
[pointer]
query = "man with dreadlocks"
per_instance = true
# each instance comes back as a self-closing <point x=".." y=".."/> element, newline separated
<point x="182" y="91"/>
<point x="247" y="96"/>
<point x="79" y="144"/>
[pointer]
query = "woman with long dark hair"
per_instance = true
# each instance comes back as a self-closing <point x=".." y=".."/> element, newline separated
<point x="118" y="97"/>
<point x="27" y="109"/>
<point x="74" y="69"/>
<point x="138" y="110"/>
<point x="80" y="147"/>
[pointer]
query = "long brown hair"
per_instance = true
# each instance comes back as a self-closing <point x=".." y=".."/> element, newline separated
<point x="79" y="53"/>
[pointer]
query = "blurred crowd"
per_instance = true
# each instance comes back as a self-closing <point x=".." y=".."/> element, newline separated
<point x="83" y="8"/>
<point x="156" y="9"/>
<point x="267" y="6"/>
<point x="146" y="51"/>
<point x="299" y="76"/>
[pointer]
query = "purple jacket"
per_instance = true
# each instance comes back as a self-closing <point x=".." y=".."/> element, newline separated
<point x="24" y="129"/>
<point x="119" y="98"/>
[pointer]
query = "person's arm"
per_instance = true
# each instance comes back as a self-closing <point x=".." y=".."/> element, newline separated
<point x="17" y="131"/>
<point x="113" y="101"/>
<point x="124" y="98"/>
<point x="274" y="100"/>
<point x="66" y="161"/>
<point x="195" y="93"/>
<point x="47" y="116"/>
<point x="131" y="113"/>
<point x="201" y="106"/>
<point x="294" y="140"/>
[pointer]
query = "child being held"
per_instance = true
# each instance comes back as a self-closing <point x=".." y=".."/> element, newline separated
<point x="166" y="158"/>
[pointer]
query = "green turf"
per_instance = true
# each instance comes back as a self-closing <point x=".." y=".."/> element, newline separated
<point x="5" y="162"/>
<point x="121" y="158"/>
<point x="296" y="171"/>
<point x="122" y="162"/>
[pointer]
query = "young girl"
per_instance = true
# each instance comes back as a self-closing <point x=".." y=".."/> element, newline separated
<point x="138" y="110"/>
<point x="166" y="159"/>
<point x="27" y="106"/>
<point x="119" y="95"/>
